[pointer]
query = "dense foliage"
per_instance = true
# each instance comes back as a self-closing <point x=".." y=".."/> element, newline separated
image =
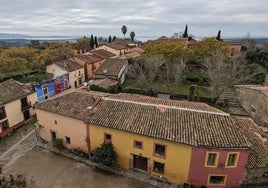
<point x="105" y="154"/>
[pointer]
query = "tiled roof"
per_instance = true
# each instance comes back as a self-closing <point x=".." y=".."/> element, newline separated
<point x="172" y="103"/>
<point x="137" y="49"/>
<point x="102" y="53"/>
<point x="116" y="46"/>
<point x="74" y="104"/>
<point x="90" y="58"/>
<point x="69" y="64"/>
<point x="166" y="122"/>
<point x="105" y="83"/>
<point x="113" y="67"/>
<point x="263" y="89"/>
<point x="258" y="157"/>
<point x="11" y="90"/>
<point x="133" y="55"/>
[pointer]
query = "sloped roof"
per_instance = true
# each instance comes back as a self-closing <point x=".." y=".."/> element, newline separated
<point x="140" y="115"/>
<point x="69" y="64"/>
<point x="112" y="66"/>
<point x="105" y="83"/>
<point x="102" y="53"/>
<point x="116" y="46"/>
<point x="262" y="89"/>
<point x="11" y="90"/>
<point x="258" y="157"/>
<point x="74" y="104"/>
<point x="137" y="49"/>
<point x="90" y="58"/>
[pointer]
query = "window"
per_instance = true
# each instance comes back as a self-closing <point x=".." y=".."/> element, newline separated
<point x="4" y="125"/>
<point x="67" y="140"/>
<point x="2" y="113"/>
<point x="217" y="179"/>
<point x="232" y="159"/>
<point x="212" y="159"/>
<point x="107" y="138"/>
<point x="44" y="88"/>
<point x="159" y="150"/>
<point x="138" y="144"/>
<point x="159" y="167"/>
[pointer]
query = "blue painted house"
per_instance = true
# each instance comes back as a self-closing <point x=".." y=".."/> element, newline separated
<point x="52" y="87"/>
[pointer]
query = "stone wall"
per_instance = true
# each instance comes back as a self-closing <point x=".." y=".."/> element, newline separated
<point x="255" y="103"/>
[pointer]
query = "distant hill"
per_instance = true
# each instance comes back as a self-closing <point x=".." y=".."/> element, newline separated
<point x="13" y="36"/>
<point x="257" y="41"/>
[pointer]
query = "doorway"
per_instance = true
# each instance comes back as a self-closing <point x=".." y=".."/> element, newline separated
<point x="26" y="115"/>
<point x="53" y="135"/>
<point x="140" y="163"/>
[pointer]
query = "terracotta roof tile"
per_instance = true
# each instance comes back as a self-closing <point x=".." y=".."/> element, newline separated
<point x="11" y="90"/>
<point x="172" y="123"/>
<point x="263" y="89"/>
<point x="105" y="83"/>
<point x="113" y="67"/>
<point x="69" y="64"/>
<point x="72" y="104"/>
<point x="116" y="46"/>
<point x="258" y="157"/>
<point x="102" y="53"/>
<point x="90" y="58"/>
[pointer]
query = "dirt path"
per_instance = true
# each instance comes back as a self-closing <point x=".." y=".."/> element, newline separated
<point x="46" y="169"/>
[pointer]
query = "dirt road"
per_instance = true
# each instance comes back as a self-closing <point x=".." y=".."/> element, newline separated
<point x="46" y="169"/>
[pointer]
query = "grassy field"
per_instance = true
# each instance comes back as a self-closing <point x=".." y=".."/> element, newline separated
<point x="35" y="77"/>
<point x="182" y="89"/>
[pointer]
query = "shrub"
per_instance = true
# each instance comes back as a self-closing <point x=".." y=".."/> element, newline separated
<point x="58" y="143"/>
<point x="105" y="154"/>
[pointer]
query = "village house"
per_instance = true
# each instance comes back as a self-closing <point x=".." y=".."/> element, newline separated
<point x="254" y="99"/>
<point x="63" y="117"/>
<point x="16" y="102"/>
<point x="169" y="140"/>
<point x="92" y="61"/>
<point x="116" y="49"/>
<point x="69" y="66"/>
<point x="113" y="68"/>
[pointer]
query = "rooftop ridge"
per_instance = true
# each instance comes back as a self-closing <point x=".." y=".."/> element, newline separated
<point x="166" y="106"/>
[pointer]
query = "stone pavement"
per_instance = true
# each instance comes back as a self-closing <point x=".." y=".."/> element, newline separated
<point x="18" y="150"/>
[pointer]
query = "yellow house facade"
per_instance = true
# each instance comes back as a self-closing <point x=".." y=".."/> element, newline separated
<point x="15" y="105"/>
<point x="131" y="155"/>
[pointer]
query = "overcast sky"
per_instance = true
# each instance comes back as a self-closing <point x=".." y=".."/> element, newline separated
<point x="235" y="18"/>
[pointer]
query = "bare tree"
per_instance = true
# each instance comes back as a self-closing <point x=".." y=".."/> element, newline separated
<point x="145" y="73"/>
<point x="223" y="72"/>
<point x="172" y="74"/>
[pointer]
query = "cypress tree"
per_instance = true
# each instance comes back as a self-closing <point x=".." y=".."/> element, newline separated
<point x="219" y="36"/>
<point x="96" y="42"/>
<point x="110" y="39"/>
<point x="185" y="34"/>
<point x="91" y="42"/>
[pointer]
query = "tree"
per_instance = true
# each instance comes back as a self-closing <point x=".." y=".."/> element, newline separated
<point x="56" y="51"/>
<point x="124" y="30"/>
<point x="82" y="43"/>
<point x="19" y="60"/>
<point x="96" y="42"/>
<point x="223" y="72"/>
<point x="258" y="55"/>
<point x="219" y="36"/>
<point x="132" y="35"/>
<point x="185" y="34"/>
<point x="105" y="154"/>
<point x="145" y="72"/>
<point x="171" y="74"/>
<point x="110" y="39"/>
<point x="114" y="38"/>
<point x="91" y="42"/>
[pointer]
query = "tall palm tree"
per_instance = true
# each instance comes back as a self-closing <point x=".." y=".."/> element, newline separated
<point x="124" y="30"/>
<point x="132" y="35"/>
